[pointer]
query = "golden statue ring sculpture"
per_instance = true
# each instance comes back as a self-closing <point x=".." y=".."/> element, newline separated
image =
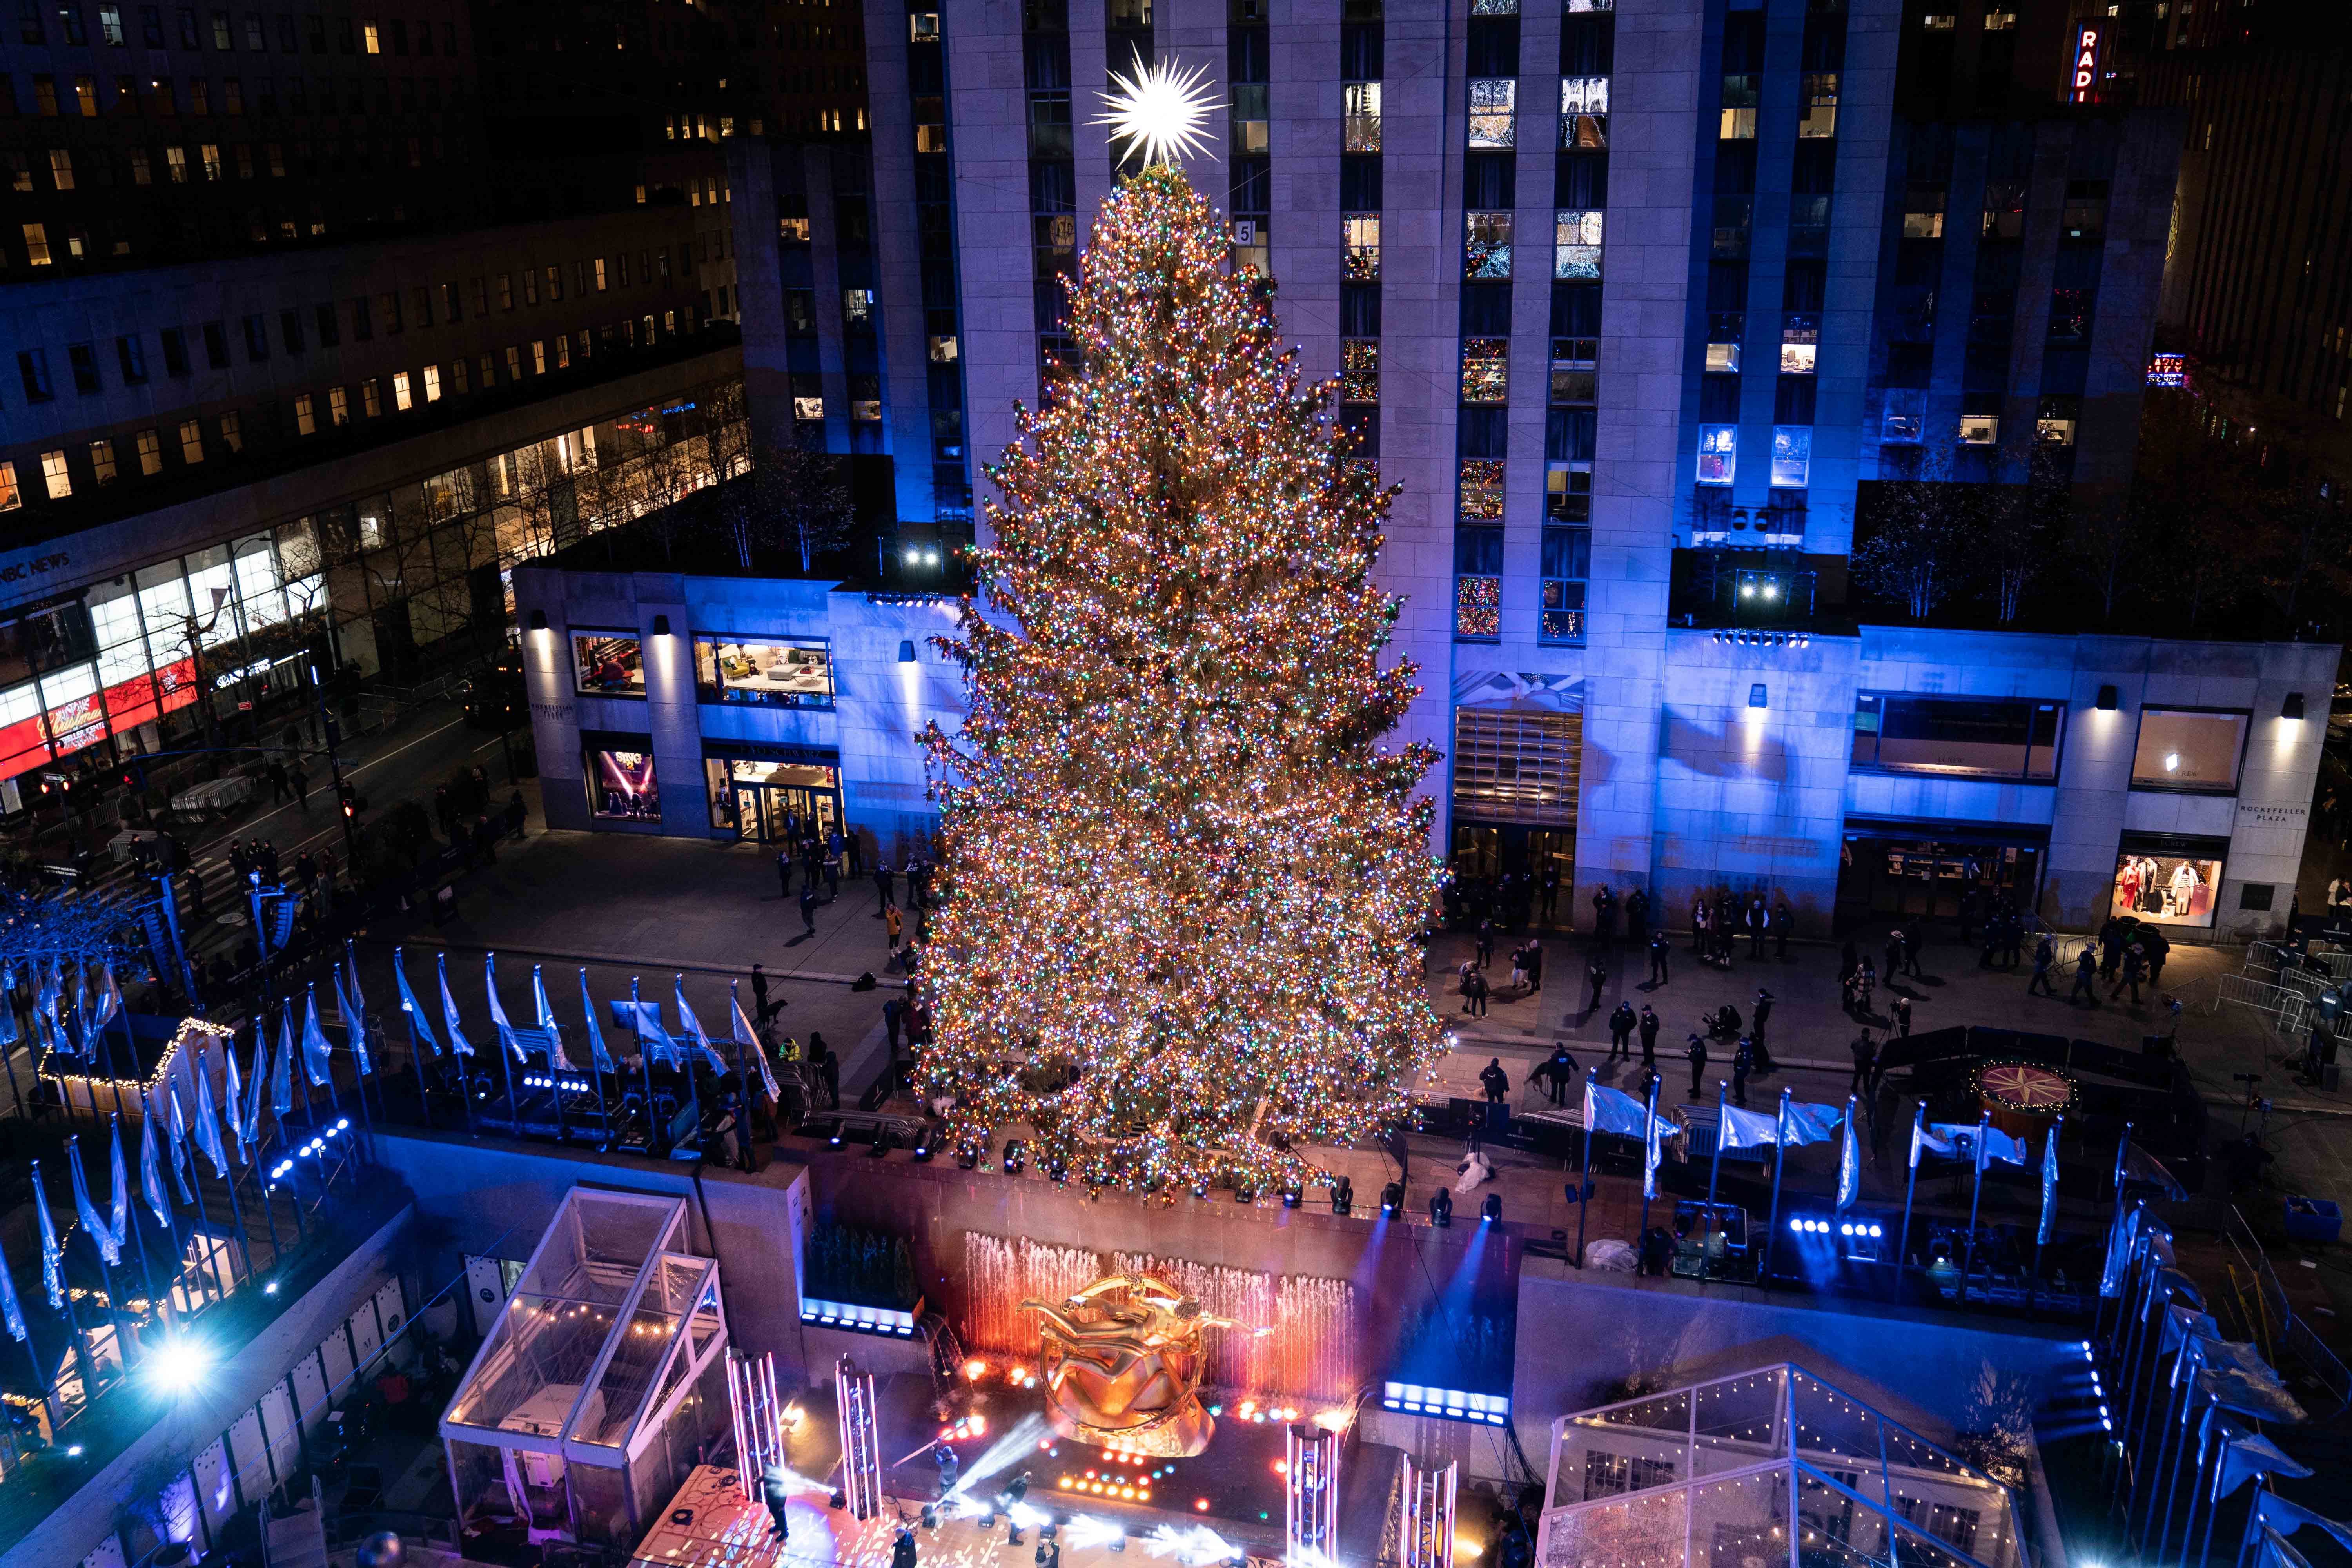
<point x="1122" y="1362"/>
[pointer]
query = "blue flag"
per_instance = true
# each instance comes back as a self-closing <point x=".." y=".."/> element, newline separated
<point x="418" y="1026"/>
<point x="749" y="1040"/>
<point x="120" y="1203"/>
<point x="151" y="1170"/>
<point x="457" y="1041"/>
<point x="1614" y="1111"/>
<point x="209" y="1136"/>
<point x="498" y="1020"/>
<point x="1806" y="1123"/>
<point x="110" y="1246"/>
<point x="354" y="1021"/>
<point x="1849" y="1185"/>
<point x="693" y="1027"/>
<point x="356" y="1011"/>
<point x="315" y="1061"/>
<point x="281" y="1069"/>
<point x="2049" y="1186"/>
<point x="596" y="1051"/>
<point x="11" y="1310"/>
<point x="556" y="1062"/>
<point x="52" y="1255"/>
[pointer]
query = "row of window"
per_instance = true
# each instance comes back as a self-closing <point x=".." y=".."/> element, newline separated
<point x="762" y="670"/>
<point x="391" y="311"/>
<point x="207" y="163"/>
<point x="1566" y="566"/>
<point x="224" y="33"/>
<point x="2194" y="750"/>
<point x="105" y="460"/>
<point x="164" y="97"/>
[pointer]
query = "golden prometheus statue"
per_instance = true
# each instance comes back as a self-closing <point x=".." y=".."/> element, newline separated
<point x="1122" y="1362"/>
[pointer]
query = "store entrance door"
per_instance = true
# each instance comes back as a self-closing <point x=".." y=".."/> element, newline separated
<point x="773" y="803"/>
<point x="1885" y="875"/>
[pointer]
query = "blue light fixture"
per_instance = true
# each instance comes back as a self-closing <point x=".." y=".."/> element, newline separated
<point x="1757" y="696"/>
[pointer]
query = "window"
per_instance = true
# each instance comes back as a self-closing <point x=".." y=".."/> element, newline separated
<point x="2054" y="424"/>
<point x="1492" y="103"/>
<point x="1923" y="212"/>
<point x="1792" y="456"/>
<point x="217" y="345"/>
<point x="1513" y="764"/>
<point x="809" y="408"/>
<point x="1361" y="111"/>
<point x="402" y="397"/>
<point x="505" y="290"/>
<point x="1741" y="93"/>
<point x="1359" y="370"/>
<point x="608" y="664"/>
<point x="191" y="441"/>
<point x="2084" y="216"/>
<point x="1723" y="359"/>
<point x="2168" y="880"/>
<point x="514" y="363"/>
<point x="773" y="672"/>
<point x="1821" y="98"/>
<point x="110" y="26"/>
<point x="1486" y="370"/>
<point x="1980" y="430"/>
<point x="83" y="358"/>
<point x="2189" y="749"/>
<point x="150" y="446"/>
<point x="11" y="498"/>
<point x="1486" y="245"/>
<point x="1566" y="564"/>
<point x="539" y="356"/>
<point x="371" y="39"/>
<point x="1576" y="243"/>
<point x="1477" y="582"/>
<point x="1719" y="453"/>
<point x="2004" y="210"/>
<point x="621" y="786"/>
<point x="232" y="432"/>
<point x="33" y="370"/>
<point x="1957" y="737"/>
<point x="1800" y="343"/>
<point x="37" y="245"/>
<point x="306" y="419"/>
<point x="339" y="405"/>
<point x="1361" y="235"/>
<point x="857" y="311"/>
<point x="55" y="477"/>
<point x="432" y="384"/>
<point x="1479" y="487"/>
<point x="45" y="95"/>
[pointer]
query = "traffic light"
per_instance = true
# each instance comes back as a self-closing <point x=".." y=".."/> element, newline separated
<point x="134" y="776"/>
<point x="350" y="799"/>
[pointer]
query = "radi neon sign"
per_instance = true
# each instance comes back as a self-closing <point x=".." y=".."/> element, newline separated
<point x="2087" y="39"/>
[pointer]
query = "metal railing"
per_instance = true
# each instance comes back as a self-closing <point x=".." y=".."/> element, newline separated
<point x="2275" y="1324"/>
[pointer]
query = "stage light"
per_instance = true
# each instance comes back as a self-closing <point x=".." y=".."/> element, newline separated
<point x="1015" y="1162"/>
<point x="1845" y="1227"/>
<point x="271" y="1288"/>
<point x="1244" y="1196"/>
<point x="1796" y="1225"/>
<point x="1440" y="1208"/>
<point x="1876" y="1231"/>
<point x="1491" y="1211"/>
<point x="834" y="1141"/>
<point x="178" y="1365"/>
<point x="1292" y="1196"/>
<point x="1343" y="1196"/>
<point x="838" y="1499"/>
<point x="1392" y="1200"/>
<point x="73" y="1451"/>
<point x="967" y="1158"/>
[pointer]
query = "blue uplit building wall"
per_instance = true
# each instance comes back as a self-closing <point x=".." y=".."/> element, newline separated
<point x="1643" y="303"/>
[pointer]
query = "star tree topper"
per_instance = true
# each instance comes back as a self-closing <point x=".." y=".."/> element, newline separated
<point x="1159" y="111"/>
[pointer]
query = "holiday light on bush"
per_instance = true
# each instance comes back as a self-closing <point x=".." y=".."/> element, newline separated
<point x="1184" y="874"/>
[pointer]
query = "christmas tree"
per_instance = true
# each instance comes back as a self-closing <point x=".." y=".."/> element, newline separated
<point x="1184" y="874"/>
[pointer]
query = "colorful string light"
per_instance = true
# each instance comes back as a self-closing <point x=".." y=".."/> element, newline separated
<point x="1184" y="873"/>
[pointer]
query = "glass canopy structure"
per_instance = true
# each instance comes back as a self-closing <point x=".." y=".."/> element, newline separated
<point x="1768" y="1468"/>
<point x="602" y="1383"/>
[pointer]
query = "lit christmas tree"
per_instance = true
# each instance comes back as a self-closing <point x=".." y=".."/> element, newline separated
<point x="1185" y="876"/>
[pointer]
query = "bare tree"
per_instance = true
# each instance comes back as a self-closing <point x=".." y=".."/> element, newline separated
<point x="2017" y="524"/>
<point x="793" y="500"/>
<point x="1919" y="551"/>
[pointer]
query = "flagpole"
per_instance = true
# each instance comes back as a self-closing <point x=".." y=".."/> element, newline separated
<point x="2123" y="1147"/>
<point x="105" y="1269"/>
<point x="556" y="1062"/>
<point x="1584" y="1186"/>
<point x="1780" y="1161"/>
<point x="646" y="1064"/>
<point x="415" y="1056"/>
<point x="1714" y="1166"/>
<point x="1649" y="1175"/>
<point x="73" y="1313"/>
<point x="596" y="1068"/>
<point x="170" y="1221"/>
<point x="1910" y="1187"/>
<point x="2181" y="1380"/>
<point x="506" y="1054"/>
<point x="2213" y="1511"/>
<point x="1975" y="1197"/>
<point x="359" y="1007"/>
<point x="138" y="1233"/>
<point x="2204" y="1443"/>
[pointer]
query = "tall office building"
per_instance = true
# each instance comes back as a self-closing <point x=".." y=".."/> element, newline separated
<point x="1648" y="307"/>
<point x="316" y="322"/>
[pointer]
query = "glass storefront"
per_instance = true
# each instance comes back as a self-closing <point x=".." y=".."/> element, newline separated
<point x="771" y="800"/>
<point x="608" y="664"/>
<point x="2188" y="749"/>
<point x="1993" y="738"/>
<point x="1898" y="871"/>
<point x="2169" y="879"/>
<point x="778" y="672"/>
<point x="621" y="782"/>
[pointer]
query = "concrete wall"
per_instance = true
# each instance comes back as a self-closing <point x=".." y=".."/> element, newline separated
<point x="495" y="1200"/>
<point x="183" y="1426"/>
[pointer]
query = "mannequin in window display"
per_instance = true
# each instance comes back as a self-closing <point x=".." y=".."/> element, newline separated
<point x="2128" y="884"/>
<point x="2185" y="883"/>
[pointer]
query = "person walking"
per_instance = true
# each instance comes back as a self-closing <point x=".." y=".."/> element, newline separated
<point x="1485" y="942"/>
<point x="759" y="992"/>
<point x="1758" y="920"/>
<point x="2111" y="948"/>
<point x="893" y="923"/>
<point x="882" y="899"/>
<point x="775" y="1491"/>
<point x="808" y="907"/>
<point x="1698" y="925"/>
<point x="1915" y="940"/>
<point x="894" y="1014"/>
<point x="1763" y="1011"/>
<point x="276" y="772"/>
<point x="1496" y="1083"/>
<point x="1696" y="1053"/>
<point x="1901" y="1007"/>
<point x="1599" y="975"/>
<point x="1866" y="1062"/>
<point x="827" y="1067"/>
<point x="1557" y="1071"/>
<point x="1659" y="948"/>
<point x="1532" y="957"/>
<point x="1784" y="921"/>
<point x="783" y="873"/>
<point x="2086" y="976"/>
<point x="1894" y="952"/>
<point x="2043" y="956"/>
<point x="1637" y="918"/>
<point x="1648" y="1028"/>
<point x="1620" y="1031"/>
<point x="831" y="864"/>
<point x="299" y="782"/>
<point x="1550" y="894"/>
<point x="2135" y="969"/>
<point x="1743" y="1062"/>
<point x="1474" y="993"/>
<point x="855" y="853"/>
